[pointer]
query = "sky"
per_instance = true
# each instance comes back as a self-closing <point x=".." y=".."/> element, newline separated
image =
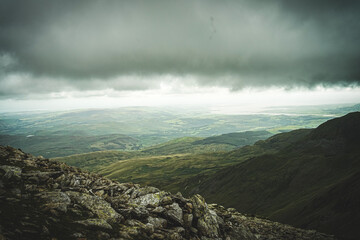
<point x="91" y="53"/>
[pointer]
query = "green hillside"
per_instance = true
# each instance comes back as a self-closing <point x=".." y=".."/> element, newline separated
<point x="95" y="160"/>
<point x="169" y="171"/>
<point x="181" y="146"/>
<point x="186" y="145"/>
<point x="312" y="182"/>
<point x="237" y="139"/>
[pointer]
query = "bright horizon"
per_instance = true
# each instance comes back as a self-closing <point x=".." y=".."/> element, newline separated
<point x="242" y="54"/>
<point x="248" y="100"/>
<point x="221" y="100"/>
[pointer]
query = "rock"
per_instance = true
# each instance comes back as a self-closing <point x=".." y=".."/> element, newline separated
<point x="135" y="229"/>
<point x="206" y="221"/>
<point x="134" y="212"/>
<point x="158" y="210"/>
<point x="55" y="200"/>
<point x="189" y="207"/>
<point x="149" y="228"/>
<point x="175" y="236"/>
<point x="78" y="235"/>
<point x="11" y="172"/>
<point x="175" y="213"/>
<point x="16" y="192"/>
<point x="103" y="236"/>
<point x="179" y="230"/>
<point x="167" y="200"/>
<point x="96" y="205"/>
<point x="41" y="176"/>
<point x="157" y="236"/>
<point x="149" y="199"/>
<point x="188" y="220"/>
<point x="95" y="223"/>
<point x="138" y="192"/>
<point x="157" y="222"/>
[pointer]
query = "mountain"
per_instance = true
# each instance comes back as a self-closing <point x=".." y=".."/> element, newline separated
<point x="43" y="199"/>
<point x="237" y="139"/>
<point x="311" y="182"/>
<point x="170" y="171"/>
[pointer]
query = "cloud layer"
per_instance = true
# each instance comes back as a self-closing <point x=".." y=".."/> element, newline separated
<point x="49" y="45"/>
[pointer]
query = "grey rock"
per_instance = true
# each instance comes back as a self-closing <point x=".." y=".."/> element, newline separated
<point x="157" y="222"/>
<point x="95" y="223"/>
<point x="55" y="200"/>
<point x="11" y="172"/>
<point x="206" y="221"/>
<point x="188" y="219"/>
<point x="175" y="213"/>
<point x="134" y="212"/>
<point x="167" y="200"/>
<point x="149" y="199"/>
<point x="158" y="210"/>
<point x="95" y="204"/>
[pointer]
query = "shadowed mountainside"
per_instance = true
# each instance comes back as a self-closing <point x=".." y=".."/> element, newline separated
<point x="312" y="182"/>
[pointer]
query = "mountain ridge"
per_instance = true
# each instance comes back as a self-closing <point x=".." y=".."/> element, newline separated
<point x="45" y="199"/>
<point x="312" y="182"/>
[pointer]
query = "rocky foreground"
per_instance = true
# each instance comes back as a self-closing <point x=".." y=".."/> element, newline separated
<point x="42" y="199"/>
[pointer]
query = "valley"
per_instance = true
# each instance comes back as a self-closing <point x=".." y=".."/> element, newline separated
<point x="299" y="170"/>
<point x="62" y="133"/>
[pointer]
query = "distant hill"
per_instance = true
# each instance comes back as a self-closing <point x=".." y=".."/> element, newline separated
<point x="311" y="181"/>
<point x="185" y="145"/>
<point x="224" y="142"/>
<point x="57" y="145"/>
<point x="153" y="125"/>
<point x="180" y="146"/>
<point x="237" y="139"/>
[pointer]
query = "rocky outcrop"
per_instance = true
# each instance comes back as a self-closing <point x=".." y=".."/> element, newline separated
<point x="43" y="199"/>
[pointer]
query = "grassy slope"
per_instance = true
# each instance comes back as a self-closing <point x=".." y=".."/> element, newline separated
<point x="187" y="145"/>
<point x="313" y="182"/>
<point x="237" y="139"/>
<point x="169" y="171"/>
<point x="95" y="160"/>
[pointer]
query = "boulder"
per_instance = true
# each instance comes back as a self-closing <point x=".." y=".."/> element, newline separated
<point x="96" y="205"/>
<point x="95" y="223"/>
<point x="206" y="220"/>
<point x="11" y="172"/>
<point x="54" y="200"/>
<point x="175" y="213"/>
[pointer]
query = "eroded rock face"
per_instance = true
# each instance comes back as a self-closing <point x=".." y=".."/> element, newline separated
<point x="42" y="199"/>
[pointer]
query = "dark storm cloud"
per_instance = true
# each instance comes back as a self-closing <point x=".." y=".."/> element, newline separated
<point x="88" y="44"/>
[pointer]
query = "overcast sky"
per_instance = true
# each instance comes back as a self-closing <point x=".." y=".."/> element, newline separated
<point x="90" y="48"/>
